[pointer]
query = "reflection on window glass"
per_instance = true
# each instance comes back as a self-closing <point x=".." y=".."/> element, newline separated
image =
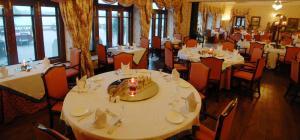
<point x="50" y="31"/>
<point x="3" y="51"/>
<point x="24" y="32"/>
<point x="102" y="27"/>
<point x="115" y="30"/>
<point x="126" y="28"/>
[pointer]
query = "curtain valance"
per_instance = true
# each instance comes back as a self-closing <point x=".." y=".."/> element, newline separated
<point x="240" y="12"/>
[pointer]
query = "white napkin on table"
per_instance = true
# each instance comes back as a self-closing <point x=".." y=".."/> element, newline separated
<point x="175" y="74"/>
<point x="192" y="103"/>
<point x="125" y="68"/>
<point x="100" y="119"/>
<point x="81" y="83"/>
<point x="46" y="62"/>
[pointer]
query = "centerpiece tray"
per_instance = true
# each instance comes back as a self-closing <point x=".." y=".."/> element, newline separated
<point x="120" y="88"/>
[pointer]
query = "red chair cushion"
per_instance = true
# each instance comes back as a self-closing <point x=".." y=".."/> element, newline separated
<point x="71" y="72"/>
<point x="180" y="67"/>
<point x="243" y="75"/>
<point x="205" y="134"/>
<point x="57" y="107"/>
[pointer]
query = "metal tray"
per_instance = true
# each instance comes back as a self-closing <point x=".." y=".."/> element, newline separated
<point x="120" y="88"/>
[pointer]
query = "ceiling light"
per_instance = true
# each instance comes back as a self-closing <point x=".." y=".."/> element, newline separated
<point x="277" y="5"/>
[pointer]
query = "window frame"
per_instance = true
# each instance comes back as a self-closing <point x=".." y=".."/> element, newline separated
<point x="240" y="22"/>
<point x="37" y="29"/>
<point x="160" y="12"/>
<point x="109" y="8"/>
<point x="4" y="33"/>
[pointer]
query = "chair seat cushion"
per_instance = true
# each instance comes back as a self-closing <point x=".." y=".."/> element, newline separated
<point x="250" y="66"/>
<point x="71" y="72"/>
<point x="110" y="60"/>
<point x="243" y="75"/>
<point x="180" y="67"/>
<point x="57" y="107"/>
<point x="205" y="133"/>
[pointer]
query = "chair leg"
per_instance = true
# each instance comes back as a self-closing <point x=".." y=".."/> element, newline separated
<point x="288" y="90"/>
<point x="51" y="119"/>
<point x="258" y="87"/>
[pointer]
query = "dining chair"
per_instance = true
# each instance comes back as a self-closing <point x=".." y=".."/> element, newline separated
<point x="257" y="37"/>
<point x="251" y="76"/>
<point x="143" y="64"/>
<point x="228" y="46"/>
<point x="144" y="42"/>
<point x="156" y="46"/>
<point x="265" y="37"/>
<point x="169" y="59"/>
<point x="73" y="69"/>
<point x="248" y="37"/>
<point x="256" y="55"/>
<point x="125" y="58"/>
<point x="103" y="59"/>
<point x="191" y="43"/>
<point x="56" y="88"/>
<point x="294" y="78"/>
<point x="291" y="53"/>
<point x="185" y="39"/>
<point x="178" y="36"/>
<point x="41" y="132"/>
<point x="215" y="66"/>
<point x="198" y="77"/>
<point x="224" y="125"/>
<point x="298" y="56"/>
<point x="286" y="41"/>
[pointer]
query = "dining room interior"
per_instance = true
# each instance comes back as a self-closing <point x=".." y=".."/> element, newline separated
<point x="149" y="69"/>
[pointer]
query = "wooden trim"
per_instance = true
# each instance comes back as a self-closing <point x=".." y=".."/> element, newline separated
<point x="39" y="40"/>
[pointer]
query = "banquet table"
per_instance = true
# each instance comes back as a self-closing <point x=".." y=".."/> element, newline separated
<point x="144" y="119"/>
<point x="21" y="92"/>
<point x="137" y="52"/>
<point x="230" y="58"/>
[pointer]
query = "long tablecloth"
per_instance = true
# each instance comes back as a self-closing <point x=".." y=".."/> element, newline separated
<point x="137" y="52"/>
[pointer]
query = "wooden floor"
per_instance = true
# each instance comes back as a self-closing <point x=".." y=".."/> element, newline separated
<point x="270" y="117"/>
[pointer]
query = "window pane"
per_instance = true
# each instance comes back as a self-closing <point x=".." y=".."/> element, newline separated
<point x="125" y="14"/>
<point x="114" y="13"/>
<point x="102" y="28"/>
<point x="48" y="11"/>
<point x="126" y="31"/>
<point x="1" y="10"/>
<point x="162" y="28"/>
<point x="50" y="36"/>
<point x="115" y="31"/>
<point x="154" y="6"/>
<point x="156" y="27"/>
<point x="24" y="37"/>
<point x="101" y="13"/>
<point x="22" y="10"/>
<point x="3" y="52"/>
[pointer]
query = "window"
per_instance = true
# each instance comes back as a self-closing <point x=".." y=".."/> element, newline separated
<point x="50" y="31"/>
<point x="3" y="50"/>
<point x="159" y="22"/>
<point x="239" y="21"/>
<point x="114" y="24"/>
<point x="23" y="22"/>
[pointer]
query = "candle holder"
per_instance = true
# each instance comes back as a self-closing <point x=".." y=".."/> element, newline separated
<point x="132" y="85"/>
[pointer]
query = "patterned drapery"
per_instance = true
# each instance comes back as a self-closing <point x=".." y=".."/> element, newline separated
<point x="177" y="6"/>
<point x="77" y="16"/>
<point x="206" y="8"/>
<point x="145" y="7"/>
<point x="240" y="12"/>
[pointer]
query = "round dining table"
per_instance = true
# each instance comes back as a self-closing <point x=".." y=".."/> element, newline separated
<point x="145" y="119"/>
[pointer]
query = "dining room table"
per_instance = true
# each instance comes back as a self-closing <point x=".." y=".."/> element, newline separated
<point x="22" y="91"/>
<point x="137" y="52"/>
<point x="160" y="116"/>
<point x="230" y="58"/>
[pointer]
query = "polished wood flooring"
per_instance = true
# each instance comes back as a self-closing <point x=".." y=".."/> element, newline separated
<point x="270" y="117"/>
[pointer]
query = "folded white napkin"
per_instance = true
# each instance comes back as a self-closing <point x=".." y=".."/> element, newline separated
<point x="100" y="119"/>
<point x="125" y="68"/>
<point x="192" y="103"/>
<point x="120" y="47"/>
<point x="175" y="74"/>
<point x="46" y="62"/>
<point x="81" y="83"/>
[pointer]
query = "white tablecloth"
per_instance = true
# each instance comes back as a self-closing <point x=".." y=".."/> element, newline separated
<point x="140" y="120"/>
<point x="193" y="55"/>
<point x="273" y="55"/>
<point x="28" y="83"/>
<point x="137" y="52"/>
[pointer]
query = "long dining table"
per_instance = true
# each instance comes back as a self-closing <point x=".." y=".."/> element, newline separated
<point x="145" y="119"/>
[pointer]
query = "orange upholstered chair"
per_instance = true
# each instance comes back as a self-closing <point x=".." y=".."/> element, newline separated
<point x="286" y="41"/>
<point x="257" y="37"/>
<point x="294" y="77"/>
<point x="185" y="39"/>
<point x="73" y="70"/>
<point x="178" y="36"/>
<point x="143" y="64"/>
<point x="169" y="59"/>
<point x="291" y="53"/>
<point x="248" y="37"/>
<point x="255" y="45"/>
<point x="144" y="42"/>
<point x="298" y="56"/>
<point x="253" y="77"/>
<point x="265" y="37"/>
<point x="223" y="127"/>
<point x="56" y="88"/>
<point x="103" y="59"/>
<point x="228" y="46"/>
<point x="41" y="132"/>
<point x="124" y="58"/>
<point x="256" y="55"/>
<point x="156" y="45"/>
<point x="191" y="43"/>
